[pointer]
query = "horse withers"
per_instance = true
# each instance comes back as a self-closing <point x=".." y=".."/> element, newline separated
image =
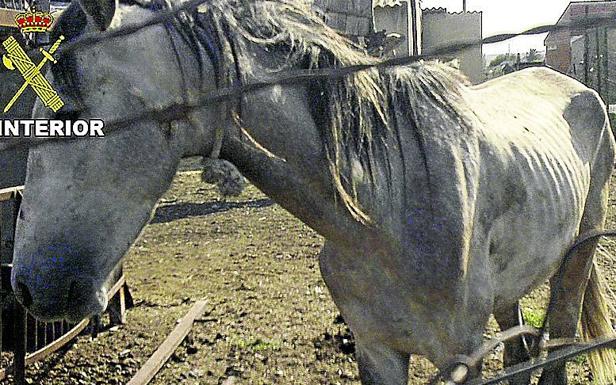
<point x="441" y="203"/>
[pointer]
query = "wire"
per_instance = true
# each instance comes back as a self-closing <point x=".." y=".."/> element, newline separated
<point x="170" y="113"/>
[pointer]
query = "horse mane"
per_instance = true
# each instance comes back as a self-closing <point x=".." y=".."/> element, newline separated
<point x="355" y="111"/>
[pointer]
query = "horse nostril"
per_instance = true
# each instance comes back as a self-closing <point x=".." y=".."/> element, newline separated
<point x="23" y="294"/>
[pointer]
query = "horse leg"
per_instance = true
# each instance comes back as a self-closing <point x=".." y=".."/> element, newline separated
<point x="380" y="365"/>
<point x="568" y="293"/>
<point x="565" y="315"/>
<point x="515" y="351"/>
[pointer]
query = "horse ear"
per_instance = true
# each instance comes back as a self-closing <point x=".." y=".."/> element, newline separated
<point x="101" y="11"/>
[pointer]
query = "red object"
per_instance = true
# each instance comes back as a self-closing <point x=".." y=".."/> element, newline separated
<point x="34" y="21"/>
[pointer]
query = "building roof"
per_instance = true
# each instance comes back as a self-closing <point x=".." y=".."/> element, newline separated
<point x="387" y="3"/>
<point x="576" y="10"/>
<point x="436" y="10"/>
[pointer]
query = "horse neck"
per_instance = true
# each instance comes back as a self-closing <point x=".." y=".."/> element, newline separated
<point x="278" y="148"/>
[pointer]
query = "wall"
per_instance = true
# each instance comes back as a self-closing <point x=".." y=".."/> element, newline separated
<point x="558" y="56"/>
<point x="558" y="43"/>
<point x="349" y="17"/>
<point x="443" y="28"/>
<point x="396" y="16"/>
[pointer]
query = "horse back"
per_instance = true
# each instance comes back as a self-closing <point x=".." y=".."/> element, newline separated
<point x="546" y="143"/>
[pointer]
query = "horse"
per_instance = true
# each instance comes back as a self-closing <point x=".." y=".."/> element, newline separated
<point x="441" y="203"/>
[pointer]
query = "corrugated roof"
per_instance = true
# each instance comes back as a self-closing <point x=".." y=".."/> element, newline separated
<point x="387" y="3"/>
<point x="444" y="10"/>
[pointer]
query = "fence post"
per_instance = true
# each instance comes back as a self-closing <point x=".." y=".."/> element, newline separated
<point x="19" y="350"/>
<point x="606" y="66"/>
<point x="599" y="64"/>
<point x="8" y="216"/>
<point x="586" y="49"/>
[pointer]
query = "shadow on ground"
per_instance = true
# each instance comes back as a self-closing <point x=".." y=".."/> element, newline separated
<point x="175" y="211"/>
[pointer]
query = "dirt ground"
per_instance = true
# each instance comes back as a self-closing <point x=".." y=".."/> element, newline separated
<point x="270" y="319"/>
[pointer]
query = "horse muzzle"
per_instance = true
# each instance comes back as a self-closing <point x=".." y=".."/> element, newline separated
<point x="69" y="299"/>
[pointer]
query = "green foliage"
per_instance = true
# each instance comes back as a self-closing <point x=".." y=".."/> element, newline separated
<point x="532" y="55"/>
<point x="580" y="360"/>
<point x="255" y="344"/>
<point x="500" y="59"/>
<point x="613" y="122"/>
<point x="534" y="318"/>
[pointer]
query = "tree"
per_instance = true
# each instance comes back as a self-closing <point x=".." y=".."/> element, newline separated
<point x="532" y="55"/>
<point x="501" y="59"/>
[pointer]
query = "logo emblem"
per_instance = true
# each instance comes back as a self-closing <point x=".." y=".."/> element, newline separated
<point x="33" y="21"/>
<point x="16" y="57"/>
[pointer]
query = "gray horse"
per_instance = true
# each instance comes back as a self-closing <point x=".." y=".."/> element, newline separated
<point x="441" y="203"/>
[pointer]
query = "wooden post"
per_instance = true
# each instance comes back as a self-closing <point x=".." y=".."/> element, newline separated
<point x="1" y="305"/>
<point x="8" y="214"/>
<point x="586" y="49"/>
<point x="95" y="325"/>
<point x="414" y="31"/>
<point x="117" y="304"/>
<point x="606" y="66"/>
<point x="599" y="64"/>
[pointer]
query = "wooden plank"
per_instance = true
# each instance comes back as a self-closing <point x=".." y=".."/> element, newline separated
<point x="7" y="17"/>
<point x="117" y="308"/>
<point x="166" y="349"/>
<point x="114" y="289"/>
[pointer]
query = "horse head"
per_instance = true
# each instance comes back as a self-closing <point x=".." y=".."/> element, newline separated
<point x="87" y="200"/>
